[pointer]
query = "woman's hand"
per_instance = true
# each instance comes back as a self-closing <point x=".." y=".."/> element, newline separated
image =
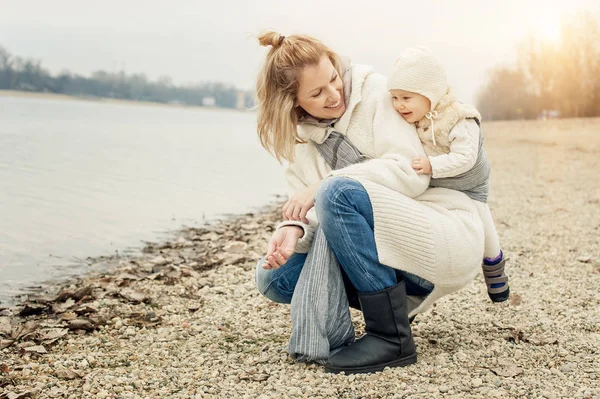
<point x="421" y="165"/>
<point x="281" y="246"/>
<point x="300" y="203"/>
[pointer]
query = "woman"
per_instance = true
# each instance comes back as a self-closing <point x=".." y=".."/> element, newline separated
<point x="391" y="235"/>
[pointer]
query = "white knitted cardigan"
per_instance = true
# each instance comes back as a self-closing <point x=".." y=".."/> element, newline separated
<point x="434" y="233"/>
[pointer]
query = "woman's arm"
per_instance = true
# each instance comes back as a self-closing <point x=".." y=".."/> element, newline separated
<point x="296" y="184"/>
<point x="464" y="148"/>
<point x="395" y="144"/>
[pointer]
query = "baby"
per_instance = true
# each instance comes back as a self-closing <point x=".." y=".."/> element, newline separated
<point x="452" y="139"/>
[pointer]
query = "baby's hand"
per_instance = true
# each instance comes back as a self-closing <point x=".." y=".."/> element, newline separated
<point x="422" y="165"/>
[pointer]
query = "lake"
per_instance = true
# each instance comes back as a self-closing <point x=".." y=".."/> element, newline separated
<point x="84" y="178"/>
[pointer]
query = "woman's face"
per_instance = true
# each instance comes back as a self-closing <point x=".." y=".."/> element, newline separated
<point x="321" y="91"/>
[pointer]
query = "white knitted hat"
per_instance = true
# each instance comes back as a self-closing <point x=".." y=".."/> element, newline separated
<point x="417" y="70"/>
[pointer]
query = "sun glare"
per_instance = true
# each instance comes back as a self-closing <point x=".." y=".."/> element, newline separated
<point x="547" y="30"/>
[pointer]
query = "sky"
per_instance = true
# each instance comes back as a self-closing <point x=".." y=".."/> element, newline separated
<point x="215" y="40"/>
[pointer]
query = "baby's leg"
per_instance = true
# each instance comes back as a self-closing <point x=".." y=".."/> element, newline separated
<point x="492" y="242"/>
<point x="493" y="261"/>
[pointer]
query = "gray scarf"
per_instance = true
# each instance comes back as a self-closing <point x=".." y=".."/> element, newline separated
<point x="321" y="321"/>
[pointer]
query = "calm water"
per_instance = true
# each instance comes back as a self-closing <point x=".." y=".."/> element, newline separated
<point x="81" y="178"/>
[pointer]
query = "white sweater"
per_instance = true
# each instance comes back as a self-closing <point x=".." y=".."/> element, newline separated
<point x="464" y="148"/>
<point x="434" y="233"/>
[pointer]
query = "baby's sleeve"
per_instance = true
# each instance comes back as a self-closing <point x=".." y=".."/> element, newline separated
<point x="464" y="149"/>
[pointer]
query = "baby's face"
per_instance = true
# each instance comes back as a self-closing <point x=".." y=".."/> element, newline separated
<point x="412" y="106"/>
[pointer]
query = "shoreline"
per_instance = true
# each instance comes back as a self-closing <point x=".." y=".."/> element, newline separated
<point x="43" y="291"/>
<point x="106" y="100"/>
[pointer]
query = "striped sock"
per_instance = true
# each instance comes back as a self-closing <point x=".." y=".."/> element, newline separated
<point x="492" y="262"/>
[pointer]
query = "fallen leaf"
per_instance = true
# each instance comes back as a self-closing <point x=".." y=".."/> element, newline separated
<point x="515" y="299"/>
<point x="4" y="368"/>
<point x="35" y="349"/>
<point x="133" y="296"/>
<point x="68" y="374"/>
<point x="64" y="306"/>
<point x="5" y="326"/>
<point x="68" y="316"/>
<point x="20" y="395"/>
<point x="31" y="309"/>
<point x="260" y="377"/>
<point x="81" y="324"/>
<point x="515" y="336"/>
<point x="85" y="309"/>
<point x="53" y="334"/>
<point x="5" y="343"/>
<point x="509" y="371"/>
<point x="235" y="247"/>
<point x="23" y="330"/>
<point x="82" y="293"/>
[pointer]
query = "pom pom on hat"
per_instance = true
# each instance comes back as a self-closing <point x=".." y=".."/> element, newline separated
<point x="417" y="70"/>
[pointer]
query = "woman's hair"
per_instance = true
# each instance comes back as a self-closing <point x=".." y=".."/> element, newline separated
<point x="277" y="88"/>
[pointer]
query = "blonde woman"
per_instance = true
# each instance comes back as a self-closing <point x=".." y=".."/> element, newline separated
<point x="400" y="245"/>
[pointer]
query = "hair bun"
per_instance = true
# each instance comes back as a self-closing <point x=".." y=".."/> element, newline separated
<point x="270" y="38"/>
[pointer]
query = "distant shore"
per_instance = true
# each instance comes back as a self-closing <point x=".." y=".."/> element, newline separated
<point x="58" y="96"/>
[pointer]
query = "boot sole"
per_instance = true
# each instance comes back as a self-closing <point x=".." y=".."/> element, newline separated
<point x="402" y="362"/>
<point x="501" y="296"/>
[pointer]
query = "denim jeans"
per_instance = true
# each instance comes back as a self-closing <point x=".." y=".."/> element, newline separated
<point x="345" y="213"/>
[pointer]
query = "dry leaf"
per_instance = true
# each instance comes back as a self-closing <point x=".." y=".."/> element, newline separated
<point x="508" y="371"/>
<point x="4" y="368"/>
<point x="64" y="306"/>
<point x="133" y="296"/>
<point x="515" y="336"/>
<point x="68" y="374"/>
<point x="31" y="309"/>
<point x="81" y="324"/>
<point x="53" y="334"/>
<point x="13" y="395"/>
<point x="5" y="343"/>
<point x="515" y="299"/>
<point x="5" y="326"/>
<point x="35" y="349"/>
<point x="235" y="247"/>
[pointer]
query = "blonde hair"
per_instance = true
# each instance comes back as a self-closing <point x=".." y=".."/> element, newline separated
<point x="277" y="88"/>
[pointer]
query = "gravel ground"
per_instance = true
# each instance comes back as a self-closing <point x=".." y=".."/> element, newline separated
<point x="184" y="320"/>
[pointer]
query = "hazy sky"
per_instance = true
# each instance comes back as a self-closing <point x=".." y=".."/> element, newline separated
<point x="216" y="40"/>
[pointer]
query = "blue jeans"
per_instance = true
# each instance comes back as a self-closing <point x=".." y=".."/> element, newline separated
<point x="346" y="216"/>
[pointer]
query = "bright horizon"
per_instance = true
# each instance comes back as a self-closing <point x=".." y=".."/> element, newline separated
<point x="193" y="41"/>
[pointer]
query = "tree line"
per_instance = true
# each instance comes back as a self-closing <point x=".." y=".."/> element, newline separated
<point x="556" y="78"/>
<point x="17" y="73"/>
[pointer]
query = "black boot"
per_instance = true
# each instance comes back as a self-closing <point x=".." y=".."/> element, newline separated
<point x="388" y="341"/>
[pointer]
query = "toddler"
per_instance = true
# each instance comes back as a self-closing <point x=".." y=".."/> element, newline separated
<point x="453" y="141"/>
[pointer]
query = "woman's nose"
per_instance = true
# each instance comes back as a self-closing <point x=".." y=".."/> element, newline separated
<point x="334" y="94"/>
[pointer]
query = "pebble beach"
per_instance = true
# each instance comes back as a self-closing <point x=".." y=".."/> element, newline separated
<point x="184" y="318"/>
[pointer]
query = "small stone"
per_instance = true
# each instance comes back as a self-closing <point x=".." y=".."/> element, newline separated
<point x="159" y="260"/>
<point x="440" y="360"/>
<point x="444" y="388"/>
<point x="235" y="247"/>
<point x="567" y="368"/>
<point x="476" y="382"/>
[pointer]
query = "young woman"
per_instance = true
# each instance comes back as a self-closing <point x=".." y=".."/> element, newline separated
<point x="401" y="244"/>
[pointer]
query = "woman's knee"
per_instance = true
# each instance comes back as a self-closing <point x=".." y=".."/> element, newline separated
<point x="338" y="195"/>
<point x="334" y="189"/>
<point x="278" y="284"/>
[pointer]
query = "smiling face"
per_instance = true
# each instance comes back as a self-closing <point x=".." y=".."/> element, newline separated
<point x="412" y="106"/>
<point x="321" y="90"/>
